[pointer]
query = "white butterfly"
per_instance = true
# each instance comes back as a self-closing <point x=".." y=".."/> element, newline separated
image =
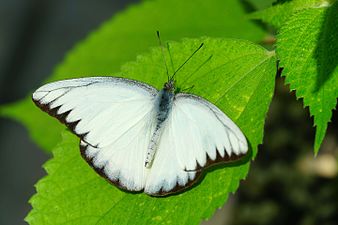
<point x="140" y="138"/>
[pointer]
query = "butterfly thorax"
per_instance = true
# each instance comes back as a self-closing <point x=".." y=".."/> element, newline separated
<point x="164" y="101"/>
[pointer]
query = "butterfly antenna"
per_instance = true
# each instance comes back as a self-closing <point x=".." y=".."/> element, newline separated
<point x="171" y="58"/>
<point x="172" y="77"/>
<point x="188" y="89"/>
<point x="197" y="69"/>
<point x="162" y="49"/>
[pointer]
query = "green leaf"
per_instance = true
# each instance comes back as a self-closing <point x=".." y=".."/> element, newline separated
<point x="277" y="15"/>
<point x="260" y="4"/>
<point x="308" y="49"/>
<point x="239" y="78"/>
<point x="125" y="36"/>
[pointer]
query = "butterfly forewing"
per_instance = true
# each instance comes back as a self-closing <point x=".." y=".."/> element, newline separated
<point x="114" y="118"/>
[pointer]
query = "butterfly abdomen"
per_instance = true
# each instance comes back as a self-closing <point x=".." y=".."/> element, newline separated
<point x="163" y="106"/>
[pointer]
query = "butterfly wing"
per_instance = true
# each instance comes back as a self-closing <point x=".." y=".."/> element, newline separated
<point x="197" y="134"/>
<point x="114" y="118"/>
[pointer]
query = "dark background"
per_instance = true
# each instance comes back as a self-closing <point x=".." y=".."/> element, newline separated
<point x="285" y="184"/>
<point x="34" y="37"/>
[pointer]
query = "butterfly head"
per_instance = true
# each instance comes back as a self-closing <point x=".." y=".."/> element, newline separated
<point x="170" y="86"/>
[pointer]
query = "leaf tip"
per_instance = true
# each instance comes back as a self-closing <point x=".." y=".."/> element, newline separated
<point x="320" y="134"/>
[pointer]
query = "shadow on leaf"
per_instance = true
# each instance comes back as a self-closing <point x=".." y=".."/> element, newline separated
<point x="326" y="52"/>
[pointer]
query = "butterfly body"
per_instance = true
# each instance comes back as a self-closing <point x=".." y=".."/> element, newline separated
<point x="164" y="101"/>
<point x="140" y="138"/>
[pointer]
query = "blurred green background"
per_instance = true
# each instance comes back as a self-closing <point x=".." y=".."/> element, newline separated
<point x="286" y="185"/>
